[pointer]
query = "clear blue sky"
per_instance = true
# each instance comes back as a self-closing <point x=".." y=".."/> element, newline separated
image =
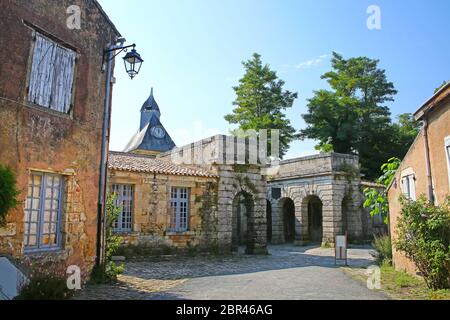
<point x="193" y="52"/>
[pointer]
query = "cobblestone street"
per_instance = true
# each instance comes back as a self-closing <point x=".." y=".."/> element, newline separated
<point x="289" y="272"/>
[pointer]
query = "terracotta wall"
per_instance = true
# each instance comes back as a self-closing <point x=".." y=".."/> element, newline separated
<point x="414" y="161"/>
<point x="36" y="138"/>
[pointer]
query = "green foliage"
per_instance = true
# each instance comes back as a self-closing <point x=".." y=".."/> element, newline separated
<point x="442" y="85"/>
<point x="352" y="117"/>
<point x="376" y="199"/>
<point x="8" y="192"/>
<point x="109" y="270"/>
<point x="260" y="102"/>
<point x="47" y="282"/>
<point x="383" y="248"/>
<point x="423" y="235"/>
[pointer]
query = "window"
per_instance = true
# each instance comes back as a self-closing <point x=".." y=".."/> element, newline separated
<point x="43" y="211"/>
<point x="124" y="201"/>
<point x="447" y="152"/>
<point x="52" y="75"/>
<point x="408" y="187"/>
<point x="179" y="209"/>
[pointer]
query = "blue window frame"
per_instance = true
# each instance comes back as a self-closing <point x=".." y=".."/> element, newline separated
<point x="124" y="200"/>
<point x="43" y="212"/>
<point x="179" y="209"/>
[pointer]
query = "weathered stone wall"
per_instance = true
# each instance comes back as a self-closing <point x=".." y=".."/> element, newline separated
<point x="151" y="210"/>
<point x="219" y="155"/>
<point x="332" y="178"/>
<point x="35" y="138"/>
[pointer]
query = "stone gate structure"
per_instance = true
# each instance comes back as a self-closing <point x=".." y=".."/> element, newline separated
<point x="314" y="198"/>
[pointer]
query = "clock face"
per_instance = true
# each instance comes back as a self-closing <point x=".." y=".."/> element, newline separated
<point x="158" y="132"/>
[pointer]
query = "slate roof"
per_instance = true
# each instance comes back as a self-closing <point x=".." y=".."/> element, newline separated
<point x="150" y="103"/>
<point x="143" y="139"/>
<point x="141" y="163"/>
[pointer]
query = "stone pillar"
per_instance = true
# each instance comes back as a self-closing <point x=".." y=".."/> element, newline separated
<point x="256" y="237"/>
<point x="277" y="222"/>
<point x="301" y="222"/>
<point x="331" y="215"/>
<point x="355" y="228"/>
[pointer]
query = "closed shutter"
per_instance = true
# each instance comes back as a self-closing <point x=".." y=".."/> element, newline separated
<point x="52" y="75"/>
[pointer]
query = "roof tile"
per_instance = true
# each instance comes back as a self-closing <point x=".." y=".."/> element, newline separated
<point x="142" y="163"/>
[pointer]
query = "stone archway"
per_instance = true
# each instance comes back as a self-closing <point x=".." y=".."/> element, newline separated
<point x="269" y="221"/>
<point x="315" y="219"/>
<point x="288" y="213"/>
<point x="242" y="213"/>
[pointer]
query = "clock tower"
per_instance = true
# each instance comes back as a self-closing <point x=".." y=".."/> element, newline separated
<point x="152" y="138"/>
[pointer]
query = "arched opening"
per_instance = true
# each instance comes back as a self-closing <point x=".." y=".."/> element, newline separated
<point x="269" y="221"/>
<point x="315" y="229"/>
<point x="243" y="205"/>
<point x="289" y="220"/>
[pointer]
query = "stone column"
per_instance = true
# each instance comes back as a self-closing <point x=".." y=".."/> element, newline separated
<point x="331" y="215"/>
<point x="301" y="222"/>
<point x="277" y="223"/>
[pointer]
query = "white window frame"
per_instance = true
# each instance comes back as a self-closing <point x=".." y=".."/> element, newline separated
<point x="52" y="76"/>
<point x="179" y="214"/>
<point x="41" y="211"/>
<point x="125" y="201"/>
<point x="409" y="186"/>
<point x="447" y="153"/>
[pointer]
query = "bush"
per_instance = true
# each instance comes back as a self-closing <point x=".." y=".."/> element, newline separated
<point x="423" y="235"/>
<point x="109" y="270"/>
<point x="47" y="282"/>
<point x="8" y="192"/>
<point x="383" y="248"/>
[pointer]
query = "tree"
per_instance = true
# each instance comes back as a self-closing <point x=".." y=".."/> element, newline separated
<point x="442" y="85"/>
<point x="352" y="116"/>
<point x="376" y="198"/>
<point x="260" y="102"/>
<point x="8" y="193"/>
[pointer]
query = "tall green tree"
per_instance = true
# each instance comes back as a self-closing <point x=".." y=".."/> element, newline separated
<point x="261" y="101"/>
<point x="352" y="117"/>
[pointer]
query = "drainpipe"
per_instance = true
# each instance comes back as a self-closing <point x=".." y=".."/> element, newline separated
<point x="427" y="160"/>
<point x="101" y="203"/>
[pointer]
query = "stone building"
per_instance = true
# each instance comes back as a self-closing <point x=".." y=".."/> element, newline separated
<point x="51" y="107"/>
<point x="163" y="204"/>
<point x="425" y="170"/>
<point x="236" y="195"/>
<point x="312" y="199"/>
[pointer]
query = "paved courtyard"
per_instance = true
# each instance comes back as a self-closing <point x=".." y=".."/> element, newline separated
<point x="288" y="273"/>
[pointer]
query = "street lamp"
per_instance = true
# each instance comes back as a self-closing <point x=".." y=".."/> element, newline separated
<point x="133" y="63"/>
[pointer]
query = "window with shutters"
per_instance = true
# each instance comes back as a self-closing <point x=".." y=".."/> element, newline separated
<point x="179" y="209"/>
<point x="43" y="212"/>
<point x="52" y="75"/>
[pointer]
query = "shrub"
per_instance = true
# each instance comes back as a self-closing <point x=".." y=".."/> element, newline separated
<point x="383" y="248"/>
<point x="423" y="235"/>
<point x="8" y="192"/>
<point x="47" y="282"/>
<point x="109" y="270"/>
